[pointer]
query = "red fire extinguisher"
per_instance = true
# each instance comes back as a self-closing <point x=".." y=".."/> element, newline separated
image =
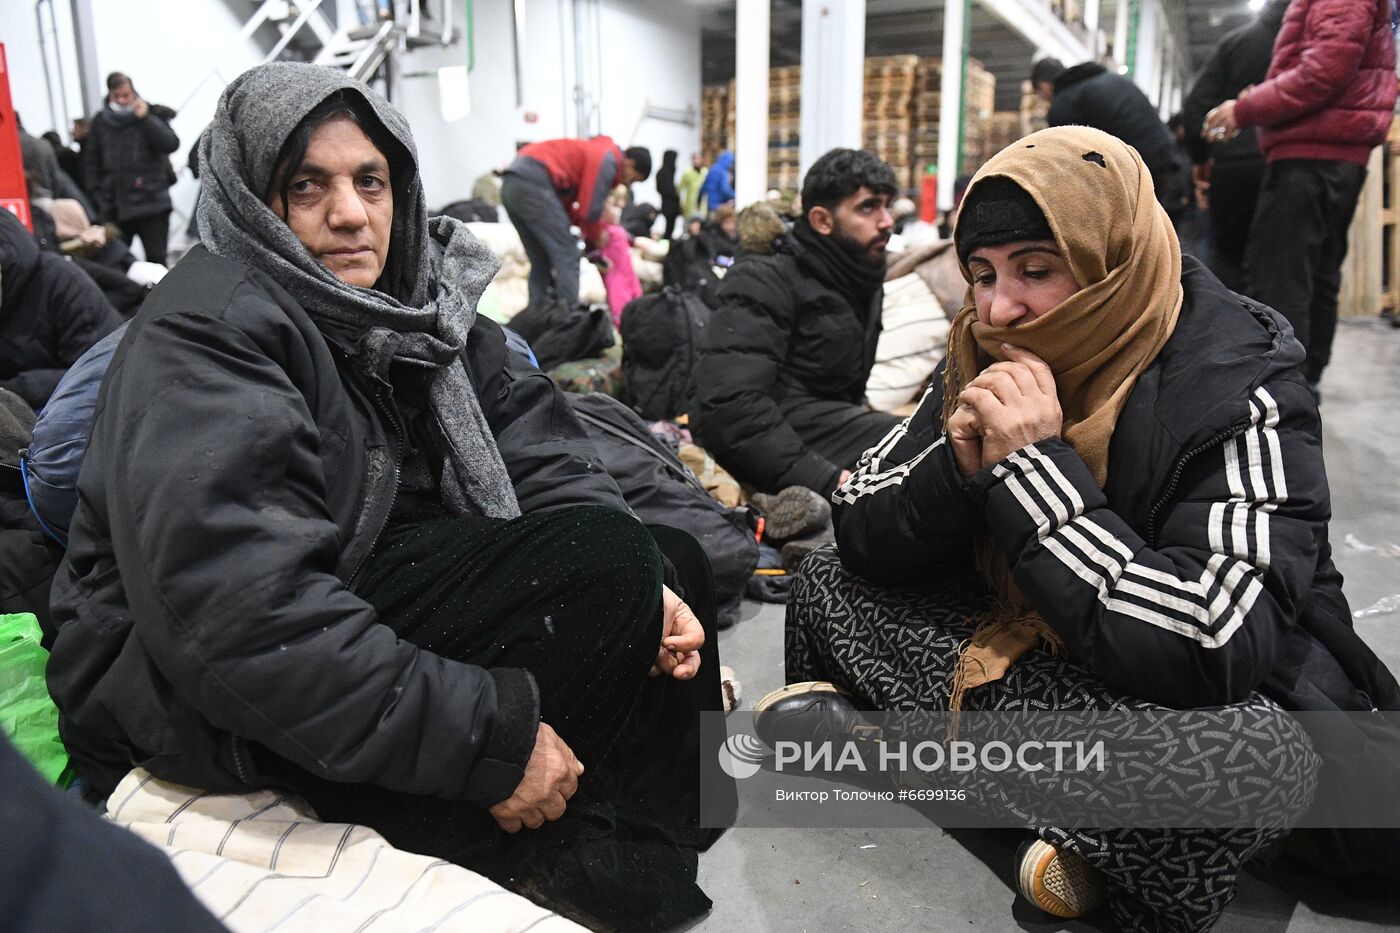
<point x="928" y="195"/>
<point x="14" y="193"/>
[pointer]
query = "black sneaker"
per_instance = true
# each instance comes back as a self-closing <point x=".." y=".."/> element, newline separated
<point x="792" y="513"/>
<point x="812" y="711"/>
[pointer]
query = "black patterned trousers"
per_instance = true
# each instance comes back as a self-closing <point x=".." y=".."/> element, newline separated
<point x="896" y="650"/>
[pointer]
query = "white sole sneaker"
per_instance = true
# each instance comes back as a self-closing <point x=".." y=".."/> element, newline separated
<point x="1060" y="883"/>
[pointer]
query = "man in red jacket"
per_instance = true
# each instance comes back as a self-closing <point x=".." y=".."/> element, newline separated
<point x="560" y="182"/>
<point x="1328" y="100"/>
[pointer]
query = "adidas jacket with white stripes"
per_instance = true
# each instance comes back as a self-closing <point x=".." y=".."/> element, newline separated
<point x="1200" y="573"/>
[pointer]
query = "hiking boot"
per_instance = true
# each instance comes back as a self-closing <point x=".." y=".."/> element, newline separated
<point x="792" y="512"/>
<point x="812" y="711"/>
<point x="796" y="550"/>
<point x="1060" y="883"/>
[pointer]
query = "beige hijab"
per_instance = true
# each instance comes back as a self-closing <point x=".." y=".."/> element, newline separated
<point x="1098" y="197"/>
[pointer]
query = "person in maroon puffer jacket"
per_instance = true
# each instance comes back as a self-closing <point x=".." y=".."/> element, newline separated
<point x="1328" y="100"/>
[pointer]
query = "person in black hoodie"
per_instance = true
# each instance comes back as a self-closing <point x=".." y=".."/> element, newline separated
<point x="777" y="391"/>
<point x="51" y="312"/>
<point x="1091" y="95"/>
<point x="334" y="536"/>
<point x="670" y="199"/>
<point x="1231" y="170"/>
<point x="126" y="166"/>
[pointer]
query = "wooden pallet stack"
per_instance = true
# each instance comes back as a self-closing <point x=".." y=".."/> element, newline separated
<point x="1003" y="129"/>
<point x="979" y="102"/>
<point x="888" y="115"/>
<point x="785" y="128"/>
<point x="1388" y="228"/>
<point x="716" y="120"/>
<point x="1034" y="110"/>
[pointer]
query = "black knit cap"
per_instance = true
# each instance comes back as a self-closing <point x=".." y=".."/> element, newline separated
<point x="998" y="211"/>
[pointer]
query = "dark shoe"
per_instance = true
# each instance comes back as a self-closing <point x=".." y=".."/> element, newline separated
<point x="813" y="711"/>
<point x="792" y="513"/>
<point x="796" y="551"/>
<point x="1060" y="883"/>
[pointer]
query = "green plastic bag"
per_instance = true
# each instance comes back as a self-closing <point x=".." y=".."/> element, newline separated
<point x="27" y="715"/>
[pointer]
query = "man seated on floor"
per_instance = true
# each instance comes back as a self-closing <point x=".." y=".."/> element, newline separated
<point x="778" y="390"/>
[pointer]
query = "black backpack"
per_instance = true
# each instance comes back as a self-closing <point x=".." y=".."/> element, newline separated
<point x="690" y="266"/>
<point x="472" y="211"/>
<point x="662" y="491"/>
<point x="561" y="333"/>
<point x="661" y="336"/>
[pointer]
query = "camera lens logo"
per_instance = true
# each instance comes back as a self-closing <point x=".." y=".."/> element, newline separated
<point x="741" y="756"/>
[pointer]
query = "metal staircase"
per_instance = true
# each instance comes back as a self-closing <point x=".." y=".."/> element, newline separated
<point x="308" y="32"/>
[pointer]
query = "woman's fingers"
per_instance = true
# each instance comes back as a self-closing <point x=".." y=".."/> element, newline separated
<point x="982" y="401"/>
<point x="999" y="383"/>
<point x="1020" y="373"/>
<point x="1044" y="378"/>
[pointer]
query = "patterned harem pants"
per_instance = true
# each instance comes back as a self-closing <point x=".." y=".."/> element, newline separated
<point x="896" y="649"/>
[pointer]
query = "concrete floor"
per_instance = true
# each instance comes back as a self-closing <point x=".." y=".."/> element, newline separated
<point x="932" y="879"/>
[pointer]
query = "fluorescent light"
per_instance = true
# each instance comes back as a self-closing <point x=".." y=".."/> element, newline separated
<point x="1256" y="5"/>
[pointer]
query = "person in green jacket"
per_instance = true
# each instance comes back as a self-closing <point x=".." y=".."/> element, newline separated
<point x="689" y="187"/>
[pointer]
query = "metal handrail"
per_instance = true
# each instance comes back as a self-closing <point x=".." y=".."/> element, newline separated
<point x="308" y="8"/>
<point x="67" y="124"/>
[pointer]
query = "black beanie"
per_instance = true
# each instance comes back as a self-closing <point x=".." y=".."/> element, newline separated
<point x="998" y="211"/>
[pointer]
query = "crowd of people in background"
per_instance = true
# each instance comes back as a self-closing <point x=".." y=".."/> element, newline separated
<point x="367" y="470"/>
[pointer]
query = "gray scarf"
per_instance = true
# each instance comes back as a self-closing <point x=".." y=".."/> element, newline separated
<point x="435" y="273"/>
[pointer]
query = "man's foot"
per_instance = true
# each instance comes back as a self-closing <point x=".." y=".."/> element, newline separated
<point x="811" y="711"/>
<point x="792" y="512"/>
<point x="1059" y="883"/>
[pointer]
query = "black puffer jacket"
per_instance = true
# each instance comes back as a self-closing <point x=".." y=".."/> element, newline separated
<point x="1201" y="572"/>
<point x="1091" y="95"/>
<point x="126" y="163"/>
<point x="236" y="481"/>
<point x="50" y="314"/>
<point x="1239" y="60"/>
<point x="783" y="343"/>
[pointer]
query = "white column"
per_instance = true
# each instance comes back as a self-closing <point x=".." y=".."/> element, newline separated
<point x="833" y="76"/>
<point x="751" y="104"/>
<point x="1091" y="23"/>
<point x="950" y="111"/>
<point x="1120" y="33"/>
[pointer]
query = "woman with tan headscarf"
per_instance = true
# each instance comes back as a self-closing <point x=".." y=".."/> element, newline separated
<point x="1112" y="498"/>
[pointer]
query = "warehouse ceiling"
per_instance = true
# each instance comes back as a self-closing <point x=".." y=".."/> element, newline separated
<point x="902" y="27"/>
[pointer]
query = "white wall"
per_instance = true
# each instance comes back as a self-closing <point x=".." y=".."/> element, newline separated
<point x="169" y="47"/>
<point x="650" y="51"/>
<point x="651" y="56"/>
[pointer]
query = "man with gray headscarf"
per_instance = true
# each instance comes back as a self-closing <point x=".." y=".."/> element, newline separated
<point x="334" y="536"/>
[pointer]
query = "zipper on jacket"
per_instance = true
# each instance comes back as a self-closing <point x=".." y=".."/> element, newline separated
<point x="238" y="768"/>
<point x="1176" y="478"/>
<point x="392" y="415"/>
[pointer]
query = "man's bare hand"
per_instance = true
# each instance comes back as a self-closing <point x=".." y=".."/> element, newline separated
<point x="681" y="638"/>
<point x="140" y="108"/>
<point x="1220" y="123"/>
<point x="1015" y="402"/>
<point x="1200" y="179"/>
<point x="551" y="777"/>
